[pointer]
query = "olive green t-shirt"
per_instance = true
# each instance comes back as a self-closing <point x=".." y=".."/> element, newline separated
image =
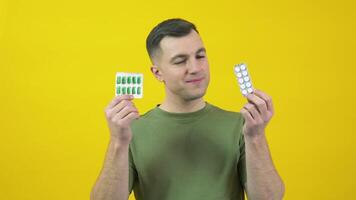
<point x="188" y="156"/>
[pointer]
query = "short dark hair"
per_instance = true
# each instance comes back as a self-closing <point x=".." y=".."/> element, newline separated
<point x="175" y="27"/>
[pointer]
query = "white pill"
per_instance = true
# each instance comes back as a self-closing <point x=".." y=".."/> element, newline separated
<point x="239" y="75"/>
<point x="249" y="90"/>
<point x="241" y="80"/>
<point x="248" y="84"/>
<point x="244" y="73"/>
<point x="243" y="67"/>
<point x="244" y="92"/>
<point x="237" y="69"/>
<point x="242" y="86"/>
<point x="246" y="78"/>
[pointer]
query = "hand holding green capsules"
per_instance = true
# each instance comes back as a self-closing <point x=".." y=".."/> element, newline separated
<point x="119" y="115"/>
<point x="121" y="111"/>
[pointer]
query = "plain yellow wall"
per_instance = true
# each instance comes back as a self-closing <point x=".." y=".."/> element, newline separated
<point x="58" y="61"/>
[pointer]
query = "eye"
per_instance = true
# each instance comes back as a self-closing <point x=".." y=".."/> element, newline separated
<point x="200" y="56"/>
<point x="180" y="62"/>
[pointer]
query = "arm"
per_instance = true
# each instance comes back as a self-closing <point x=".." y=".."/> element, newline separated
<point x="114" y="177"/>
<point x="263" y="181"/>
<point x="113" y="181"/>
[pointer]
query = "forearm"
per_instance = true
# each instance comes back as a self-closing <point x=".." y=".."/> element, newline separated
<point x="112" y="184"/>
<point x="263" y="181"/>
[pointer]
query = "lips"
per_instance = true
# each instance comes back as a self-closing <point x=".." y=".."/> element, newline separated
<point x="195" y="80"/>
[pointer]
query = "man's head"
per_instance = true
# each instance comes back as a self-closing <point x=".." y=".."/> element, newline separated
<point x="179" y="59"/>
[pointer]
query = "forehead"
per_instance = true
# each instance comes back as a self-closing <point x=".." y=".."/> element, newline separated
<point x="188" y="44"/>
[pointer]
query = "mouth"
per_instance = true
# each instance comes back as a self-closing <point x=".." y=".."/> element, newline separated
<point x="197" y="80"/>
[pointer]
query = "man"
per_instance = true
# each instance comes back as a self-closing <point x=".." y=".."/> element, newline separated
<point x="186" y="148"/>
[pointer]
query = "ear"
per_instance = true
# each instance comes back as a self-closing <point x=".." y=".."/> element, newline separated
<point x="156" y="71"/>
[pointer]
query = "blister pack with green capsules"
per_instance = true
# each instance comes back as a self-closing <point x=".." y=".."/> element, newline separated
<point x="243" y="78"/>
<point x="129" y="83"/>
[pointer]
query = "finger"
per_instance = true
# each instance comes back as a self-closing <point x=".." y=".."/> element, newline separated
<point x="110" y="113"/>
<point x="126" y="121"/>
<point x="253" y="111"/>
<point x="259" y="103"/>
<point x="266" y="98"/>
<point x="121" y="105"/>
<point x="124" y="112"/>
<point x="117" y="99"/>
<point x="247" y="115"/>
<point x="131" y="116"/>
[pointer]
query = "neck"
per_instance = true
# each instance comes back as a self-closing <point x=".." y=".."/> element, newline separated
<point x="182" y="106"/>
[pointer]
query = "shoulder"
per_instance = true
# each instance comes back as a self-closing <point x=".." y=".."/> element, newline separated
<point x="144" y="118"/>
<point x="226" y="117"/>
<point x="226" y="113"/>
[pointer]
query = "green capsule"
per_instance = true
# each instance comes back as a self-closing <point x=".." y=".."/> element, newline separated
<point x="123" y="90"/>
<point x="129" y="79"/>
<point x="118" y="81"/>
<point x="123" y="80"/>
<point x="133" y="90"/>
<point x="134" y="79"/>
<point x="128" y="90"/>
<point x="118" y="90"/>
<point x="138" y="90"/>
<point x="138" y="80"/>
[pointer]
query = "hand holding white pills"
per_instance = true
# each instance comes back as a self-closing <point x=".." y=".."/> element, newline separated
<point x="257" y="113"/>
<point x="119" y="115"/>
<point x="259" y="109"/>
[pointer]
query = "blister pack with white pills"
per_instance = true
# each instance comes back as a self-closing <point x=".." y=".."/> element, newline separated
<point x="243" y="78"/>
<point x="129" y="83"/>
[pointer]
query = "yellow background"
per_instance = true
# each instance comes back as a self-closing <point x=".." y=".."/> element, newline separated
<point x="58" y="61"/>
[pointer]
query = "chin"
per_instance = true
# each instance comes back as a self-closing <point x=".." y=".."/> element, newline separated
<point x="190" y="97"/>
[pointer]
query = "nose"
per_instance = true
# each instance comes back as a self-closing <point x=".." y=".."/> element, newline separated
<point x="194" y="66"/>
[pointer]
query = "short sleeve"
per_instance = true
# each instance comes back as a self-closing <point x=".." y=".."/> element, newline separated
<point x="241" y="165"/>
<point x="132" y="171"/>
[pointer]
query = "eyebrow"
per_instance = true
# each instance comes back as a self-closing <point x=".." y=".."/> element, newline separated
<point x="186" y="55"/>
